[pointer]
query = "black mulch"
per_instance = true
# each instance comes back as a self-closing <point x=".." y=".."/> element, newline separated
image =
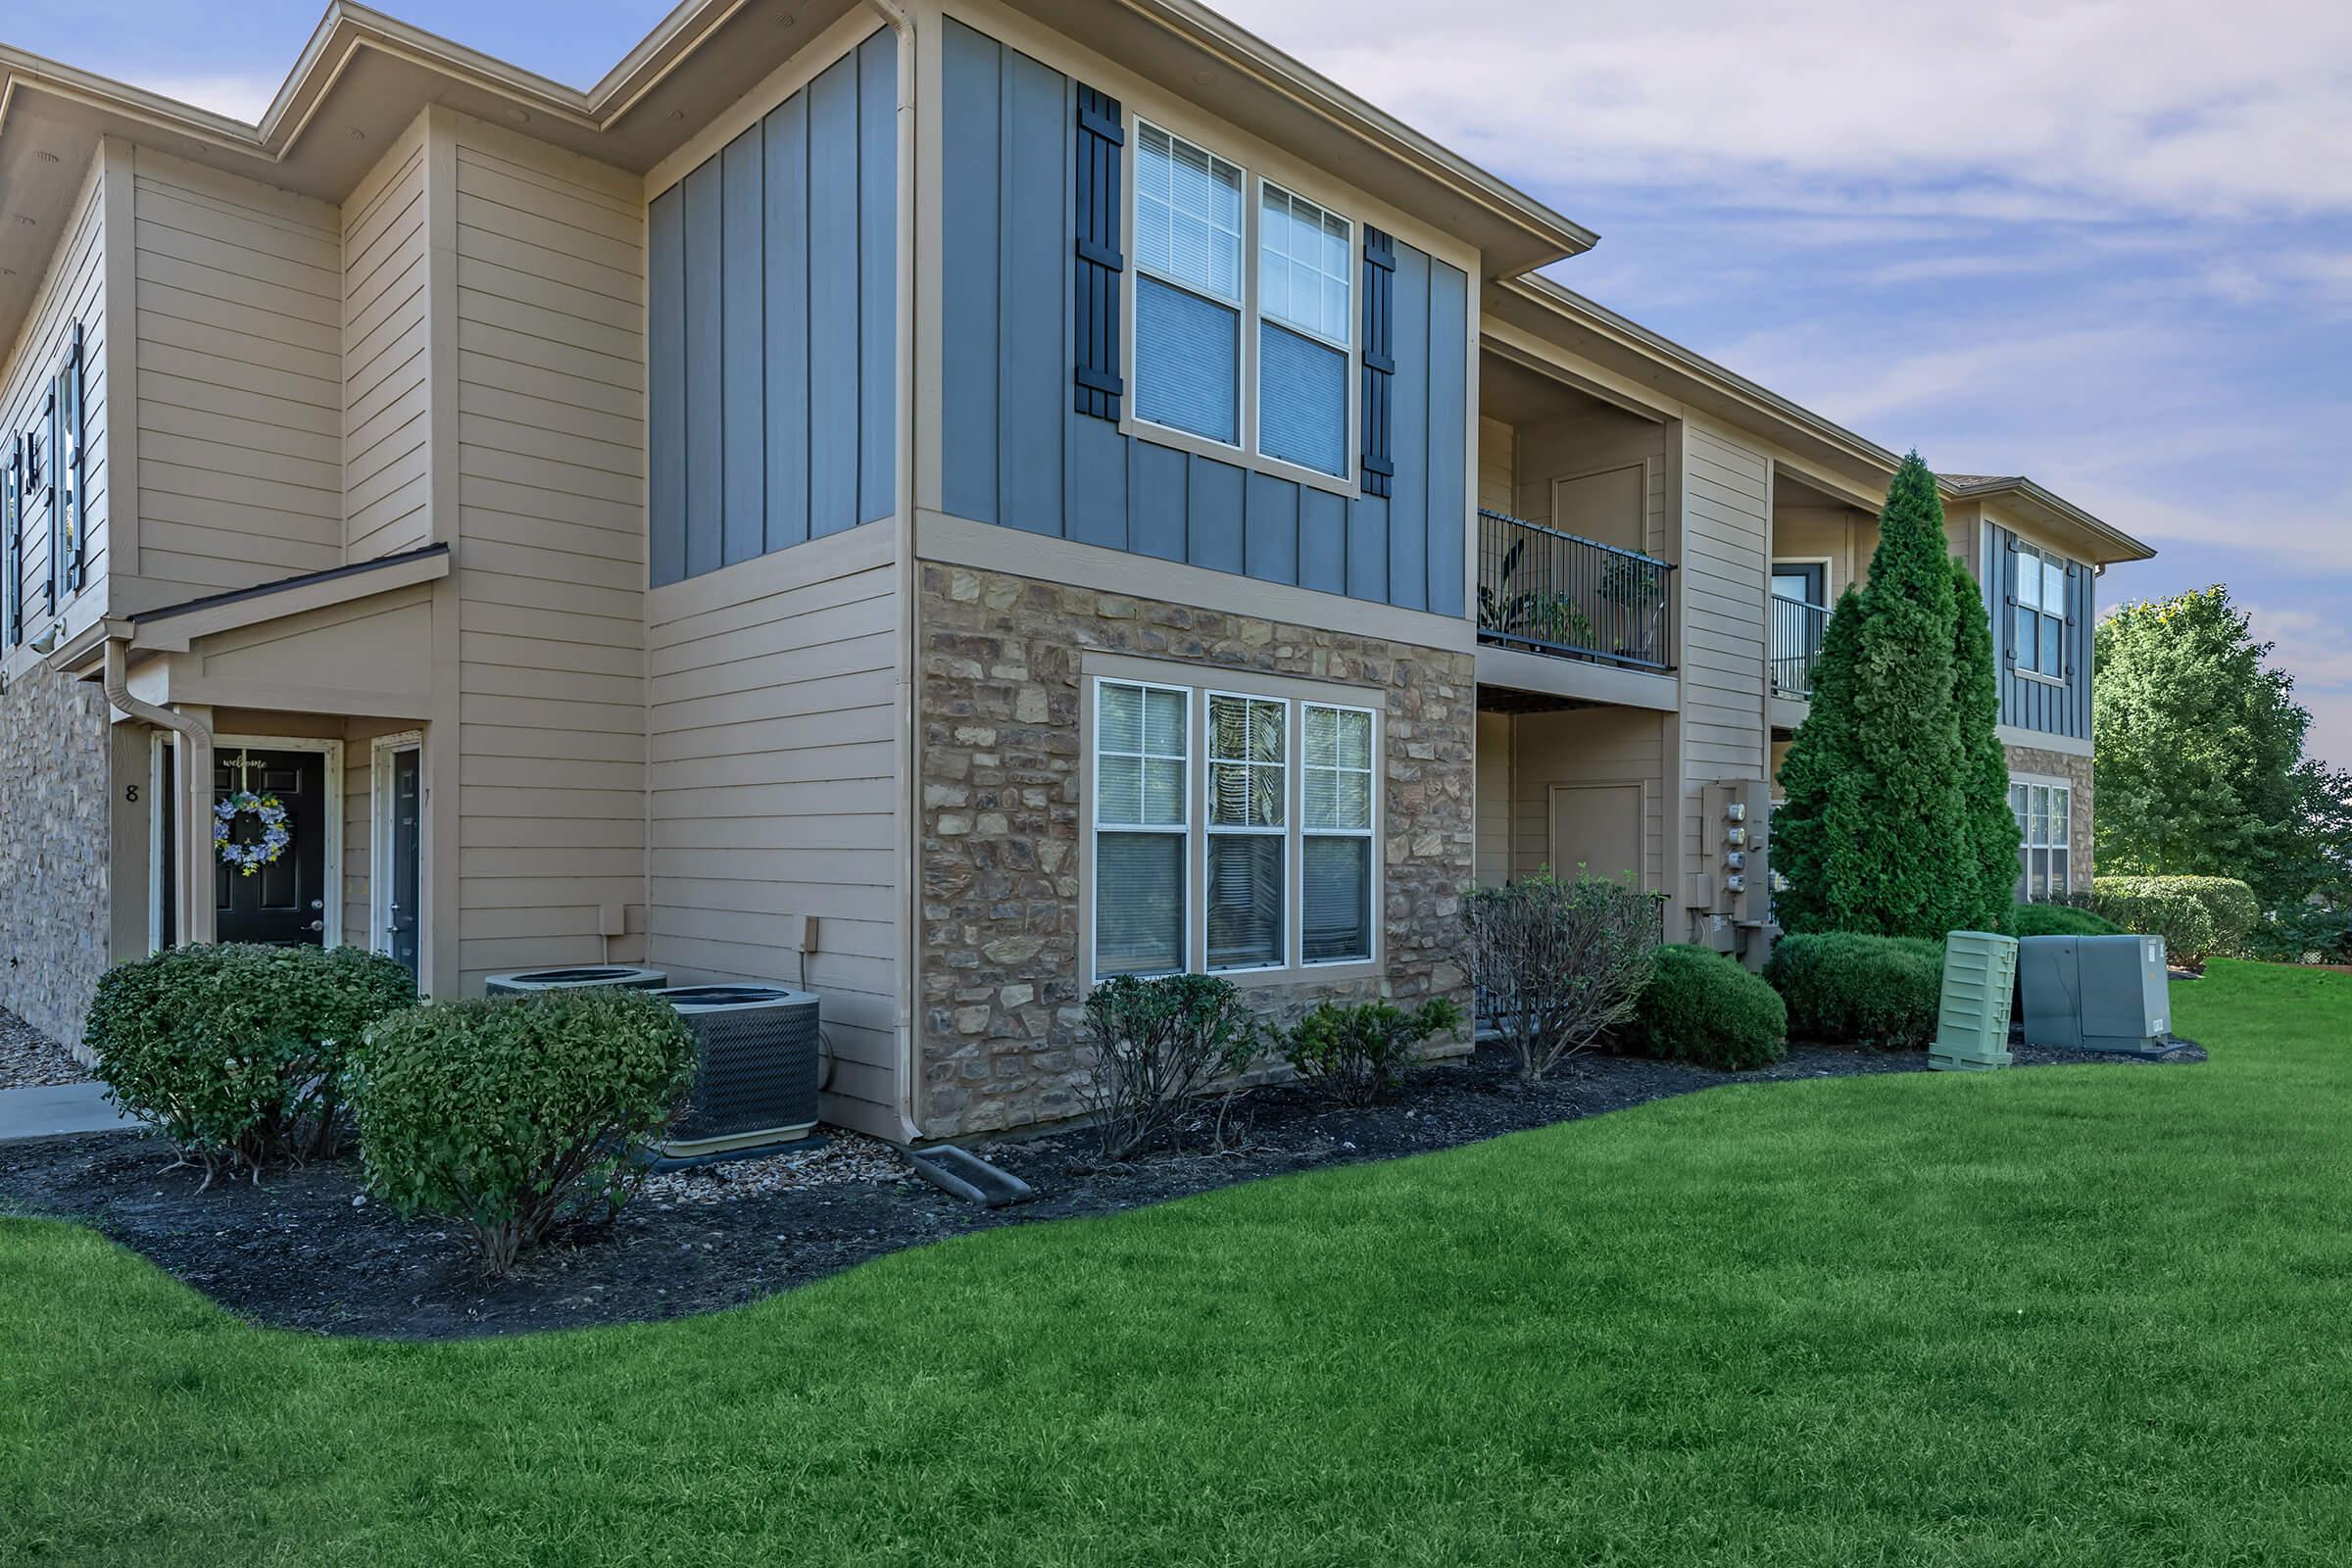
<point x="306" y="1251"/>
<point x="29" y="1058"/>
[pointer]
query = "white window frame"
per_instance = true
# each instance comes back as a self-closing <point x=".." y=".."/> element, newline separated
<point x="2060" y="788"/>
<point x="1345" y="343"/>
<point x="1369" y="834"/>
<point x="1095" y="826"/>
<point x="1287" y="941"/>
<point x="379" y="840"/>
<point x="1246" y="452"/>
<point x="2031" y="665"/>
<point x="1296" y="696"/>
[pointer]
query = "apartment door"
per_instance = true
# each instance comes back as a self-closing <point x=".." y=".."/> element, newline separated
<point x="282" y="901"/>
<point x="1597" y="827"/>
<point x="401" y="819"/>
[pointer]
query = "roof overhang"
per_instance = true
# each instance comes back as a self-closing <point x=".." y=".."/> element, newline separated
<point x="2083" y="535"/>
<point x="1565" y="318"/>
<point x="364" y="75"/>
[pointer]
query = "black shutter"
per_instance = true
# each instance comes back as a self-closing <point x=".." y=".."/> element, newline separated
<point x="2008" y="632"/>
<point x="72" y="514"/>
<point x="12" y="538"/>
<point x="1094" y="295"/>
<point x="1380" y="356"/>
<point x="49" y="469"/>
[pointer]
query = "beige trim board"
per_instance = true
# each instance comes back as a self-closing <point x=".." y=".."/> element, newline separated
<point x="1575" y="678"/>
<point x="2041" y="741"/>
<point x="993" y="547"/>
<point x="177" y="634"/>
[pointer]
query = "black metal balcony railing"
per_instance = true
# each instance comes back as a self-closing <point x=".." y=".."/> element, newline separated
<point x="1554" y="593"/>
<point x="1796" y="632"/>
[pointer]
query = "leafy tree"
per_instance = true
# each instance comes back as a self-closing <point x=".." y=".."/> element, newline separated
<point x="2199" y="768"/>
<point x="1874" y="775"/>
<point x="1988" y="837"/>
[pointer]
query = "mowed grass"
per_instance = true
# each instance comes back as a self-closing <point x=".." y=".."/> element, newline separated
<point x="2064" y="1316"/>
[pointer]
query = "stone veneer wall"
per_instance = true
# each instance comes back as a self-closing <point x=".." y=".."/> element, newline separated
<point x="999" y="1014"/>
<point x="2076" y="770"/>
<point x="55" y="828"/>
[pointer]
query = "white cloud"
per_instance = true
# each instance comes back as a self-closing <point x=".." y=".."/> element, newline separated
<point x="2168" y="105"/>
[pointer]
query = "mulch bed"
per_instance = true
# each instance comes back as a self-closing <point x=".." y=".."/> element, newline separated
<point x="308" y="1249"/>
<point x="29" y="1058"/>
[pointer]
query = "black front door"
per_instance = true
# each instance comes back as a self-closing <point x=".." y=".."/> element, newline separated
<point x="285" y="901"/>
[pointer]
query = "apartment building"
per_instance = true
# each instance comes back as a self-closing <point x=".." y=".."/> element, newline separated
<point x="938" y="504"/>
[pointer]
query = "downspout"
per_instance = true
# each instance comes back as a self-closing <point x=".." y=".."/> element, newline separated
<point x="192" y="810"/>
<point x="902" y="524"/>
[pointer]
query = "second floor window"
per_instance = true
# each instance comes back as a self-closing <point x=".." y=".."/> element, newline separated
<point x="1187" y="292"/>
<point x="2041" y="613"/>
<point x="1303" y="256"/>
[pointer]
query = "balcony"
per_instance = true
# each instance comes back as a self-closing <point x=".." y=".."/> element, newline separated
<point x="1541" y="591"/>
<point x="1797" y="629"/>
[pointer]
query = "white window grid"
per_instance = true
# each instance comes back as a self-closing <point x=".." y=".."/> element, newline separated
<point x="1221" y="763"/>
<point x="1309" y="294"/>
<point x="1337" y="771"/>
<point x="1144" y="755"/>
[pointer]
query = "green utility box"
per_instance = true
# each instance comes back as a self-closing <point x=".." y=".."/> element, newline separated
<point x="1980" y="982"/>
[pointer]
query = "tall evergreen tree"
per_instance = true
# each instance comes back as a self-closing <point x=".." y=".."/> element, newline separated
<point x="1873" y="778"/>
<point x="1988" y="838"/>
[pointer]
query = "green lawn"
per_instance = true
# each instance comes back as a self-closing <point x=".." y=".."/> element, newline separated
<point x="2064" y="1316"/>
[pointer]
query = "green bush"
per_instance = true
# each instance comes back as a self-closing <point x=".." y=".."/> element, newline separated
<point x="2305" y="934"/>
<point x="2229" y="903"/>
<point x="2062" y="920"/>
<point x="518" y="1116"/>
<point x="1158" y="1042"/>
<point x="1842" y="989"/>
<point x="1702" y="1007"/>
<point x="1356" y="1055"/>
<point x="2144" y="906"/>
<point x="1557" y="963"/>
<point x="234" y="1051"/>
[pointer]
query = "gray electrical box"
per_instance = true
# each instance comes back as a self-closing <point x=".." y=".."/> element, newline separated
<point x="2095" y="992"/>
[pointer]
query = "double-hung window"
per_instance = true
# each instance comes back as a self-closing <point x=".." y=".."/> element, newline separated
<point x="1303" y="254"/>
<point x="2043" y="811"/>
<point x="1234" y="831"/>
<point x="1249" y="842"/>
<point x="1188" y="288"/>
<point x="1142" y="823"/>
<point x="1336" y="843"/>
<point x="2041" y="613"/>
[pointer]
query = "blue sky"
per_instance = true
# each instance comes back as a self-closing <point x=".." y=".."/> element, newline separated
<point x="2107" y="244"/>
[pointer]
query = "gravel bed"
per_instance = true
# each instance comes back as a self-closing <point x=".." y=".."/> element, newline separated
<point x="29" y="1058"/>
<point x="306" y="1249"/>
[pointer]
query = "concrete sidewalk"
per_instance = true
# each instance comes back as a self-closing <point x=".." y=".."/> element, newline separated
<point x="56" y="1109"/>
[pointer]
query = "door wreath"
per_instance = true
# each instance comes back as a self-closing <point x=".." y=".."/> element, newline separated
<point x="249" y="856"/>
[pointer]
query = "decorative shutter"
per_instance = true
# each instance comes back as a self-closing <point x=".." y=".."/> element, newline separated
<point x="12" y="538"/>
<point x="2009" y="597"/>
<point x="1380" y="356"/>
<point x="2068" y="639"/>
<point x="49" y="469"/>
<point x="1096" y="295"/>
<point x="70" y="510"/>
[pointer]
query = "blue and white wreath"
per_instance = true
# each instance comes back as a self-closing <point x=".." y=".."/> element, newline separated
<point x="251" y="855"/>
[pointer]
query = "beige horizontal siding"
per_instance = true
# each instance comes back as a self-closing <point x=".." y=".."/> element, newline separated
<point x="1587" y="746"/>
<point x="240" y="332"/>
<point x="1492" y="866"/>
<point x="551" y="630"/>
<point x="1727" y="518"/>
<point x="386" y="471"/>
<point x="775" y="791"/>
<point x="74" y="292"/>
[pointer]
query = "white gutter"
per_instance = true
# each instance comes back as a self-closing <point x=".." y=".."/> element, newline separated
<point x="191" y="888"/>
<point x="909" y="1031"/>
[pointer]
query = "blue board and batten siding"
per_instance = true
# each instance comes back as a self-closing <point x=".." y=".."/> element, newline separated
<point x="1016" y="452"/>
<point x="2027" y="703"/>
<point x="772" y="327"/>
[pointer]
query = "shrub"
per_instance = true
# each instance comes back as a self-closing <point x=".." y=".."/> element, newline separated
<point x="2062" y="920"/>
<point x="2229" y="902"/>
<point x="1845" y="989"/>
<point x="1356" y="1055"/>
<point x="1558" y="963"/>
<point x="518" y="1116"/>
<point x="1702" y="1007"/>
<point x="2155" y="911"/>
<point x="2305" y="934"/>
<point x="1158" y="1042"/>
<point x="234" y="1052"/>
